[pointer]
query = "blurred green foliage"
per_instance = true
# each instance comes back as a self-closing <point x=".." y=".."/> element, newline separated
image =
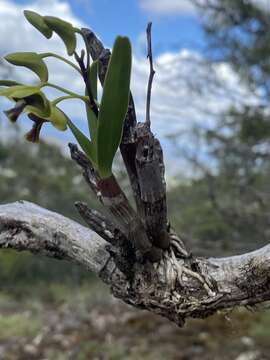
<point x="238" y="142"/>
<point x="44" y="175"/>
<point x="226" y="209"/>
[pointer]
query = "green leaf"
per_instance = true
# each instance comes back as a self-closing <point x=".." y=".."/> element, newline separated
<point x="64" y="30"/>
<point x="30" y="60"/>
<point x="84" y="142"/>
<point x="114" y="104"/>
<point x="38" y="22"/>
<point x="8" y="83"/>
<point x="36" y="101"/>
<point x="58" y="118"/>
<point x="92" y="123"/>
<point x="19" y="91"/>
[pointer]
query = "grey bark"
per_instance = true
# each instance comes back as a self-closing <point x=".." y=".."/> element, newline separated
<point x="142" y="155"/>
<point x="135" y="251"/>
<point x="175" y="287"/>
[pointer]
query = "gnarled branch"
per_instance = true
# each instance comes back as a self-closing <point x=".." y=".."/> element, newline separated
<point x="138" y="254"/>
<point x="26" y="226"/>
<point x="175" y="287"/>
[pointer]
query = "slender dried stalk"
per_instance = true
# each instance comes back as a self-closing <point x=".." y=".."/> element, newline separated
<point x="145" y="263"/>
<point x="151" y="75"/>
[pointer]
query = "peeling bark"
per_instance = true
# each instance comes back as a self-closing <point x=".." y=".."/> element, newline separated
<point x="25" y="226"/>
<point x="176" y="288"/>
<point x="135" y="251"/>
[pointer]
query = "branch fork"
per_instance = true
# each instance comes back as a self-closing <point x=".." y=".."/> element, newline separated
<point x="135" y="250"/>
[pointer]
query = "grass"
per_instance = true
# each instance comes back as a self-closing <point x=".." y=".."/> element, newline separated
<point x="260" y="329"/>
<point x="84" y="321"/>
<point x="108" y="351"/>
<point x="19" y="325"/>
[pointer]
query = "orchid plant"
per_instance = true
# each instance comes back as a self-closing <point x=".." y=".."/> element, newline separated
<point x="105" y="119"/>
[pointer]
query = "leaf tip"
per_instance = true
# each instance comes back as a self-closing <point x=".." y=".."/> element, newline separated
<point x="38" y="22"/>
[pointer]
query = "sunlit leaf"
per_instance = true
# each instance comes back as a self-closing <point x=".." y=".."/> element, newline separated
<point x="30" y="60"/>
<point x="35" y="100"/>
<point x="92" y="123"/>
<point x="38" y="22"/>
<point x="64" y="30"/>
<point x="58" y="118"/>
<point x="19" y="91"/>
<point x="114" y="104"/>
<point x="84" y="142"/>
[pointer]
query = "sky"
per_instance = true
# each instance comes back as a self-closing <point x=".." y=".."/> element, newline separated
<point x="110" y="18"/>
<point x="179" y="59"/>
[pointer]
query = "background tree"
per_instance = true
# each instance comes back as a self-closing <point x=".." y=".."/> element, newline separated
<point x="236" y="188"/>
<point x="137" y="251"/>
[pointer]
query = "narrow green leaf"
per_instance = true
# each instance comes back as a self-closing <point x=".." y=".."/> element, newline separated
<point x="8" y="83"/>
<point x="64" y="30"/>
<point x="35" y="100"/>
<point x="84" y="142"/>
<point x="58" y="118"/>
<point x="92" y="123"/>
<point x="19" y="91"/>
<point x="38" y="22"/>
<point x="30" y="60"/>
<point x="114" y="104"/>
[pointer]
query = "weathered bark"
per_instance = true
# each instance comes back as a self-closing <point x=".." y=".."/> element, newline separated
<point x="25" y="226"/>
<point x="116" y="205"/>
<point x="142" y="156"/>
<point x="136" y="252"/>
<point x="176" y="288"/>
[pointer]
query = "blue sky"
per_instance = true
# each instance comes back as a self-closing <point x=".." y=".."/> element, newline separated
<point x="172" y="30"/>
<point x="183" y="94"/>
<point x="110" y="18"/>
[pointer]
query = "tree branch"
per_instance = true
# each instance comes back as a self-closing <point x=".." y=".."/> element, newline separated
<point x="117" y="207"/>
<point x="176" y="288"/>
<point x="26" y="226"/>
<point x="139" y="256"/>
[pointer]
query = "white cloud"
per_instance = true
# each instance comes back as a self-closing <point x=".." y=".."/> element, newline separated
<point x="168" y="7"/>
<point x="262" y="4"/>
<point x="178" y="74"/>
<point x="176" y="105"/>
<point x="187" y="93"/>
<point x="186" y="90"/>
<point x="18" y="35"/>
<point x="185" y="7"/>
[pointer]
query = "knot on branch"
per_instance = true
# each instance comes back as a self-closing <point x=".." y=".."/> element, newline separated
<point x="145" y="227"/>
<point x="148" y="264"/>
<point x="174" y="287"/>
